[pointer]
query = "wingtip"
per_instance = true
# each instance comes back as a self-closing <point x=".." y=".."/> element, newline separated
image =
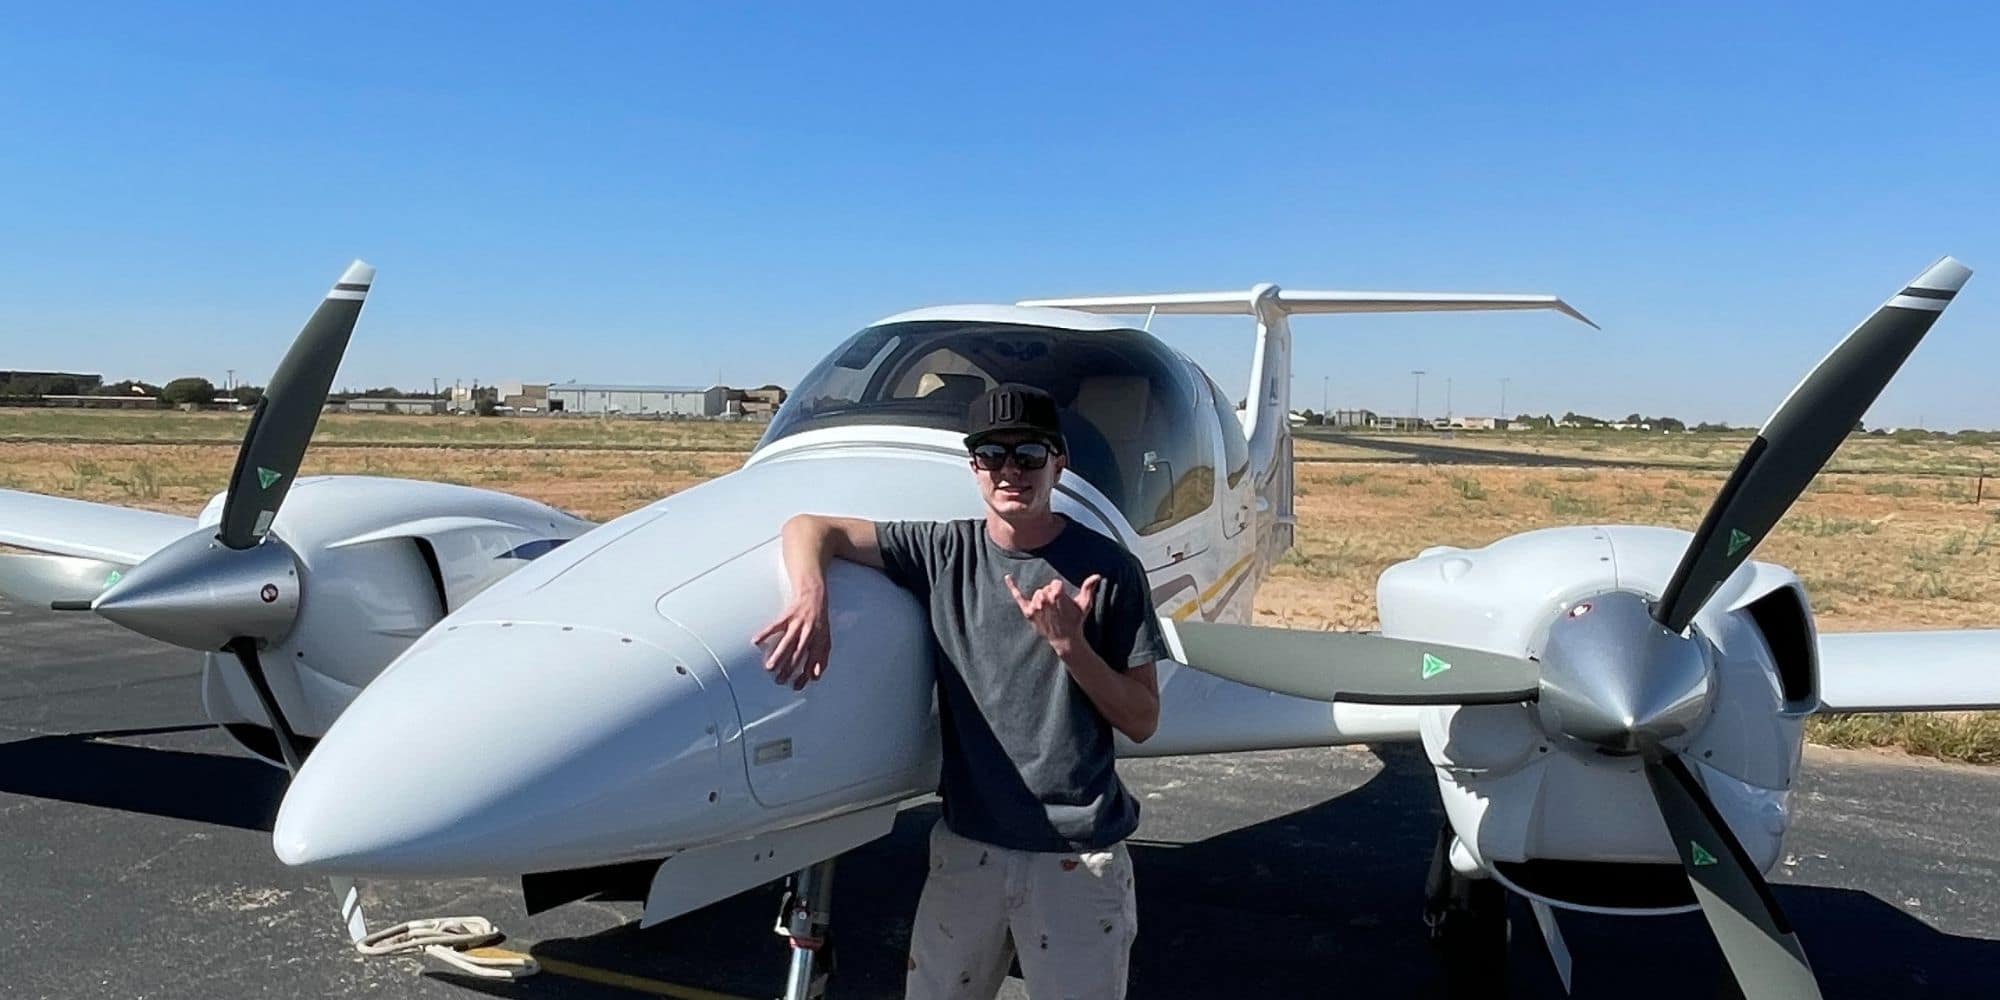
<point x="1571" y="312"/>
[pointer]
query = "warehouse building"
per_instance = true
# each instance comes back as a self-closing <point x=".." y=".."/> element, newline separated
<point x="637" y="400"/>
<point x="381" y="404"/>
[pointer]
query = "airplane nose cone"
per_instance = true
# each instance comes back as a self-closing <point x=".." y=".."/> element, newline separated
<point x="497" y="748"/>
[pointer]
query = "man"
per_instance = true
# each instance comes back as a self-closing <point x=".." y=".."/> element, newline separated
<point x="1046" y="641"/>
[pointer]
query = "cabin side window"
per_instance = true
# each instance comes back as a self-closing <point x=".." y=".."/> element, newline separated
<point x="1235" y="448"/>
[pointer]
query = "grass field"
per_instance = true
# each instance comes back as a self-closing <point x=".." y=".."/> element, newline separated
<point x="1877" y="549"/>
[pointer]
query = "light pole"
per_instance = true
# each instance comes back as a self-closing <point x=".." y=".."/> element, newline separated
<point x="1417" y="402"/>
<point x="1447" y="400"/>
<point x="1325" y="394"/>
<point x="1503" y="397"/>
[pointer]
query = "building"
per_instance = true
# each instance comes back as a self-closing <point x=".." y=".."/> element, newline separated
<point x="135" y="402"/>
<point x="523" y="397"/>
<point x="757" y="404"/>
<point x="1385" y="423"/>
<point x="597" y="399"/>
<point x="1352" y="419"/>
<point x="383" y="405"/>
<point x="1477" y="423"/>
<point x="25" y="383"/>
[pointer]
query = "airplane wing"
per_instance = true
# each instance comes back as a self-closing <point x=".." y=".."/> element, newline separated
<point x="1909" y="671"/>
<point x="74" y="545"/>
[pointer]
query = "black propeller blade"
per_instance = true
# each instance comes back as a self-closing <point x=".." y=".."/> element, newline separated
<point x="1756" y="939"/>
<point x="1356" y="666"/>
<point x="245" y="649"/>
<point x="283" y="423"/>
<point x="1799" y="438"/>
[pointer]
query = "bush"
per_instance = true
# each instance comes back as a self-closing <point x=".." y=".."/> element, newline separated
<point x="188" y="390"/>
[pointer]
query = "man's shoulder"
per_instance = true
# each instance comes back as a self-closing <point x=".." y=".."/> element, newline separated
<point x="1099" y="548"/>
<point x="937" y="535"/>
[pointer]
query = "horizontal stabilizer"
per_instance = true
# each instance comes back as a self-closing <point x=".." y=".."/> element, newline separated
<point x="1909" y="671"/>
<point x="1362" y="667"/>
<point x="1247" y="303"/>
<point x="65" y="527"/>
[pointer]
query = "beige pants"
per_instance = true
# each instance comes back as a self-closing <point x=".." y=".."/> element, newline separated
<point x="1071" y="917"/>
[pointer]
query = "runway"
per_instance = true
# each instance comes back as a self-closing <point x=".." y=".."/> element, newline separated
<point x="138" y="864"/>
<point x="1429" y="450"/>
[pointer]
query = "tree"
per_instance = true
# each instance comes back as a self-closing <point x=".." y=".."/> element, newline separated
<point x="188" y="390"/>
<point x="130" y="387"/>
<point x="249" y="395"/>
<point x="485" y="406"/>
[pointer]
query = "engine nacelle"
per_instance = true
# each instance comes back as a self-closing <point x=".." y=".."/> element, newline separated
<point x="1563" y="822"/>
<point x="379" y="561"/>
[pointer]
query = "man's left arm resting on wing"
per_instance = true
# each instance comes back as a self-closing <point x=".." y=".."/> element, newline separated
<point x="1128" y="699"/>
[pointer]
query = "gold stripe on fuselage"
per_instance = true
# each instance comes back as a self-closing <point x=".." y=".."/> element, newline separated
<point x="1184" y="611"/>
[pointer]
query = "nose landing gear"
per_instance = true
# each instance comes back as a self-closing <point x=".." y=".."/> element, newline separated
<point x="1467" y="920"/>
<point x="804" y="919"/>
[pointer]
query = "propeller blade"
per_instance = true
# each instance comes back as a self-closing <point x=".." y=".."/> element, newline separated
<point x="288" y="741"/>
<point x="1799" y="438"/>
<point x="1356" y="666"/>
<point x="42" y="580"/>
<point x="1756" y="939"/>
<point x="283" y="424"/>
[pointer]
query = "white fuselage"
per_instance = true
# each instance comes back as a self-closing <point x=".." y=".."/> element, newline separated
<point x="605" y="704"/>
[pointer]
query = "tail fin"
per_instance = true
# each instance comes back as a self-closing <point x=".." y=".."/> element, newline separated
<point x="1269" y="406"/>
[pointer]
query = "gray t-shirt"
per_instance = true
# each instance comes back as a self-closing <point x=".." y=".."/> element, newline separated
<point x="1028" y="760"/>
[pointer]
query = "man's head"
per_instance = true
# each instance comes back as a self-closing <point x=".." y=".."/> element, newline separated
<point x="1015" y="441"/>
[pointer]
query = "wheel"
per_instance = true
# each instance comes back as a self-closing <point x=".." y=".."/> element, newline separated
<point x="1472" y="934"/>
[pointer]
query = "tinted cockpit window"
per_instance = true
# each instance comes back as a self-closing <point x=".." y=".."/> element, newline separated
<point x="1127" y="402"/>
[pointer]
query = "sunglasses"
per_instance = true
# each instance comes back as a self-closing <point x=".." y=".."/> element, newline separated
<point x="1027" y="455"/>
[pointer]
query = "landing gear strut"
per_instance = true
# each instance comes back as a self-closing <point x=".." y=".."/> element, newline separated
<point x="804" y="920"/>
<point x="1467" y="919"/>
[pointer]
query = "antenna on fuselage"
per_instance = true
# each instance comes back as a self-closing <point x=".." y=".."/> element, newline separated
<point x="1150" y="313"/>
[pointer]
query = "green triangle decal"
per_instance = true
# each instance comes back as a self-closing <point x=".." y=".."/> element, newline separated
<point x="1434" y="666"/>
<point x="266" y="477"/>
<point x="1700" y="856"/>
<point x="1737" y="539"/>
<point x="113" y="578"/>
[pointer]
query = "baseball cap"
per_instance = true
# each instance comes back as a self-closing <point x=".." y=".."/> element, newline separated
<point x="1012" y="406"/>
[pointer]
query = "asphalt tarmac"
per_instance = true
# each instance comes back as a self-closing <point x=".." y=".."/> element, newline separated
<point x="137" y="863"/>
<point x="1430" y="449"/>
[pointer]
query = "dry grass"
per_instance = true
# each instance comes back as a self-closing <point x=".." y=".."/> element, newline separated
<point x="1877" y="551"/>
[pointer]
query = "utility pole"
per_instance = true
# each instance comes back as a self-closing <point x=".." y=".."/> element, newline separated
<point x="1417" y="402"/>
<point x="1447" y="400"/>
<point x="1503" y="398"/>
<point x="1324" y="393"/>
<point x="434" y="387"/>
<point x="229" y="381"/>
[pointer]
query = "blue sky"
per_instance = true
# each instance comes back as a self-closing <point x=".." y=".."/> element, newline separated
<point x="680" y="192"/>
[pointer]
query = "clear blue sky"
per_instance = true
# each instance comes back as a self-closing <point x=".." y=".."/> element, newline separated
<point x="676" y="192"/>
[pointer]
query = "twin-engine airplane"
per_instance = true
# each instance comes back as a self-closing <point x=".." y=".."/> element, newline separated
<point x="468" y="683"/>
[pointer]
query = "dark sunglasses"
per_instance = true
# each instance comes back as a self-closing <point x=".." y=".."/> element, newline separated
<point x="1027" y="455"/>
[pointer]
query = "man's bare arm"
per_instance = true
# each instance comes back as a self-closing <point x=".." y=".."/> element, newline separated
<point x="804" y="640"/>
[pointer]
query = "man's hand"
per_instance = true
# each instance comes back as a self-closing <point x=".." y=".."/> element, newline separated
<point x="804" y="642"/>
<point x="1055" y="613"/>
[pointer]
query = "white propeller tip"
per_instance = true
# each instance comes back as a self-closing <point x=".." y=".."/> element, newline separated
<point x="1947" y="275"/>
<point x="358" y="273"/>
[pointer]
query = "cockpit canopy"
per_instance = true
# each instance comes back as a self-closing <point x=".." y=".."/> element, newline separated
<point x="1129" y="404"/>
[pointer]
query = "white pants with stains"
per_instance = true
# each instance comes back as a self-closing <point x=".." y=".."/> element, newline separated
<point x="1071" y="918"/>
